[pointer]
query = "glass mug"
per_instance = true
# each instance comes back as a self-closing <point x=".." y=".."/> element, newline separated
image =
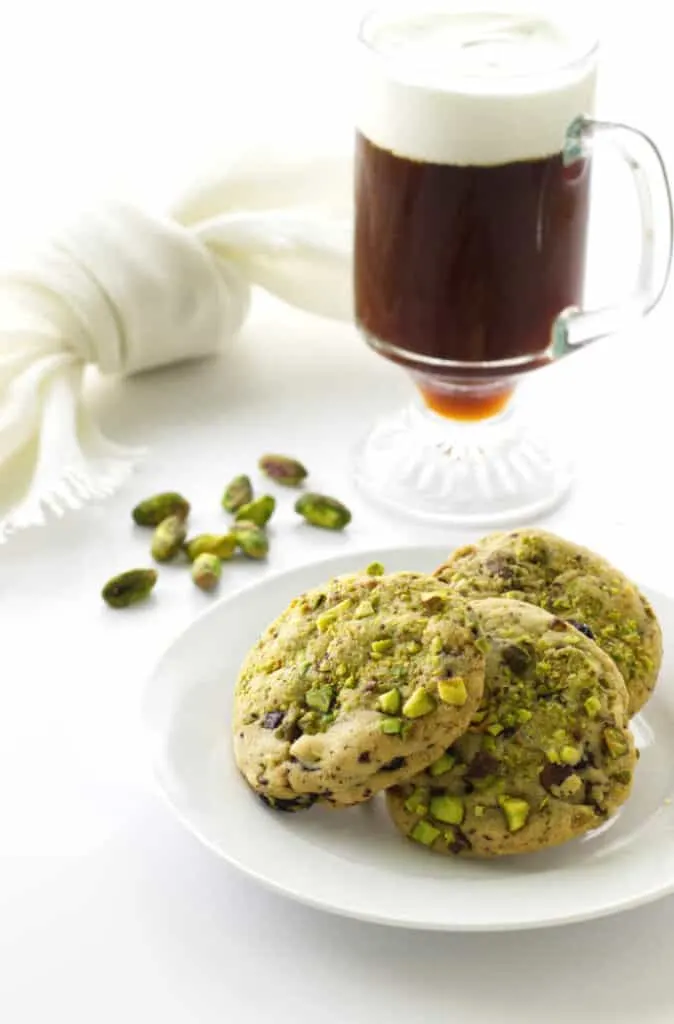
<point x="472" y="185"/>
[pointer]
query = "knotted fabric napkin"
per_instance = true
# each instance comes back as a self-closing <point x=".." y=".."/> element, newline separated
<point x="126" y="291"/>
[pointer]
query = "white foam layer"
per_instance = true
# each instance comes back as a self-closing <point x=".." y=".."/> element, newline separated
<point x="473" y="88"/>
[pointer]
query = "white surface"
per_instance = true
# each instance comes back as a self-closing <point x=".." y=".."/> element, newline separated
<point x="109" y="910"/>
<point x="458" y="89"/>
<point x="360" y="866"/>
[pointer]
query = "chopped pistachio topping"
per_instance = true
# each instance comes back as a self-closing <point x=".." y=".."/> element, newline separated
<point x="453" y="692"/>
<point x="442" y="765"/>
<point x="420" y="703"/>
<point x="390" y="702"/>
<point x="448" y="809"/>
<point x="424" y="832"/>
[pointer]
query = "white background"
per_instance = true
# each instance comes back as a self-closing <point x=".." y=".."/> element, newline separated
<point x="108" y="910"/>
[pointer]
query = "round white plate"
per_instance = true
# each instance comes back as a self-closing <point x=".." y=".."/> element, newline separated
<point x="353" y="862"/>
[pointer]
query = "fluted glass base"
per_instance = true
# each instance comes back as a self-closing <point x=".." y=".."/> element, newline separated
<point x="498" y="471"/>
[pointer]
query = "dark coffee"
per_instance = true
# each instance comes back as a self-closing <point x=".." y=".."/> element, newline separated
<point x="466" y="263"/>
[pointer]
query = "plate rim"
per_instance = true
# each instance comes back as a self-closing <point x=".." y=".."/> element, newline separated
<point x="649" y="895"/>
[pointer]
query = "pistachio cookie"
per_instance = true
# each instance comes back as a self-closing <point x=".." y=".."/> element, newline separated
<point x="548" y="755"/>
<point x="574" y="583"/>
<point x="359" y="684"/>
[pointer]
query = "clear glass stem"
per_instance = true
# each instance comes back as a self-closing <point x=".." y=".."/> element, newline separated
<point x="499" y="470"/>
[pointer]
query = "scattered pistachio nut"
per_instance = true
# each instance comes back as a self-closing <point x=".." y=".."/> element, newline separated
<point x="251" y="539"/>
<point x="206" y="571"/>
<point x="283" y="470"/>
<point x="129" y="587"/>
<point x="222" y="545"/>
<point x="238" y="492"/>
<point x="391" y="726"/>
<point x="323" y="511"/>
<point x="152" y="511"/>
<point x="168" y="539"/>
<point x="375" y="569"/>
<point x="258" y="511"/>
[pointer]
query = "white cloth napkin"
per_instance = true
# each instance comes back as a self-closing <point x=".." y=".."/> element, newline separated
<point x="126" y="292"/>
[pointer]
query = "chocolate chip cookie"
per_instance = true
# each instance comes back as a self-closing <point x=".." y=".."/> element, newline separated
<point x="358" y="685"/>
<point x="548" y="755"/>
<point x="573" y="583"/>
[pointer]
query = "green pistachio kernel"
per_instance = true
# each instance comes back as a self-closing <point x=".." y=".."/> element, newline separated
<point x="258" y="511"/>
<point x="381" y="646"/>
<point x="417" y="803"/>
<point x="570" y="755"/>
<point x="485" y="783"/>
<point x="364" y="610"/>
<point x="413" y="647"/>
<point x="569" y="787"/>
<point x="391" y="726"/>
<point x="495" y="729"/>
<point x="390" y="702"/>
<point x="436" y="645"/>
<point x="419" y="704"/>
<point x="524" y="715"/>
<point x="482" y="644"/>
<point x="615" y="742"/>
<point x="453" y="692"/>
<point x="478" y="810"/>
<point x="375" y="569"/>
<point x="433" y="601"/>
<point x="442" y="765"/>
<point x="320" y="698"/>
<point x="592" y="706"/>
<point x="448" y="809"/>
<point x="327" y="619"/>
<point x="552" y="756"/>
<point x="424" y="832"/>
<point x="516" y="812"/>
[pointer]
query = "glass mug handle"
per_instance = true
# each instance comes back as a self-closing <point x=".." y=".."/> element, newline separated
<point x="574" y="327"/>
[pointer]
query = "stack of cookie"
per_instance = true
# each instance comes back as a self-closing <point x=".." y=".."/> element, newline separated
<point x="491" y="700"/>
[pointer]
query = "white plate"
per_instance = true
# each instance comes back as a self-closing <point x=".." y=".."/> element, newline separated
<point x="353" y="862"/>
